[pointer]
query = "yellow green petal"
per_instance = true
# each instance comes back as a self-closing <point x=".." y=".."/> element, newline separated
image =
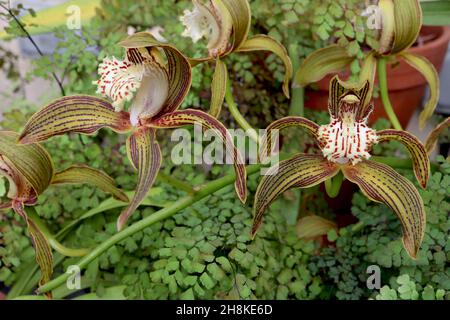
<point x="427" y="69"/>
<point x="266" y="43"/>
<point x="301" y="171"/>
<point x="241" y="14"/>
<point x="418" y="153"/>
<point x="381" y="183"/>
<point x="434" y="135"/>
<point x="218" y="88"/>
<point x="321" y="62"/>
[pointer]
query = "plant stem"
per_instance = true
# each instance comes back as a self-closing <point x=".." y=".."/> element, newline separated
<point x="297" y="107"/>
<point x="174" y="182"/>
<point x="333" y="185"/>
<point x="39" y="51"/>
<point x="55" y="244"/>
<point x="237" y="115"/>
<point x="384" y="91"/>
<point x="162" y="214"/>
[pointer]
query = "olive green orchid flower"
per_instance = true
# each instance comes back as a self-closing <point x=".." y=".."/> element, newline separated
<point x="155" y="86"/>
<point x="345" y="144"/>
<point x="225" y="24"/>
<point x="401" y="24"/>
<point x="29" y="170"/>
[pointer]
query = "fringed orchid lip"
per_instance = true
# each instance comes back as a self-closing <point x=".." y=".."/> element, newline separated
<point x="144" y="81"/>
<point x="211" y="21"/>
<point x="347" y="139"/>
<point x="345" y="144"/>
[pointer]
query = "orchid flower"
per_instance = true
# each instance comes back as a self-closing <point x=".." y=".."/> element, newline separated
<point x="29" y="170"/>
<point x="155" y="86"/>
<point x="401" y="21"/>
<point x="225" y="25"/>
<point x="345" y="144"/>
<point x="430" y="143"/>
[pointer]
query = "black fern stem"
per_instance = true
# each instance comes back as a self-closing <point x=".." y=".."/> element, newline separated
<point x="22" y="27"/>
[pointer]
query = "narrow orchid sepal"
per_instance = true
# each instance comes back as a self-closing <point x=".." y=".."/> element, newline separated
<point x="267" y="147"/>
<point x="431" y="141"/>
<point x="81" y="174"/>
<point x="77" y="114"/>
<point x="267" y="43"/>
<point x="189" y="117"/>
<point x="418" y="153"/>
<point x="381" y="183"/>
<point x="145" y="155"/>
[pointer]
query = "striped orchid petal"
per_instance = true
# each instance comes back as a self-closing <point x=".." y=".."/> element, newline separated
<point x="266" y="43"/>
<point x="301" y="171"/>
<point x="427" y="69"/>
<point x="218" y="88"/>
<point x="44" y="256"/>
<point x="267" y="146"/>
<point x="381" y="183"/>
<point x="321" y="62"/>
<point x="142" y="46"/>
<point x="85" y="175"/>
<point x="242" y="16"/>
<point x="421" y="162"/>
<point x="78" y="114"/>
<point x="145" y="155"/>
<point x="31" y="162"/>
<point x="189" y="117"/>
<point x="211" y="21"/>
<point x="434" y="135"/>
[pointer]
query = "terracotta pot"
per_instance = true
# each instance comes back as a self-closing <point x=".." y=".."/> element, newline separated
<point x="406" y="85"/>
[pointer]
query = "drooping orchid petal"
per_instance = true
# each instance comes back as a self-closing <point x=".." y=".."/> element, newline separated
<point x="421" y="162"/>
<point x="267" y="146"/>
<point x="301" y="171"/>
<point x="83" y="174"/>
<point x="79" y="114"/>
<point x="142" y="47"/>
<point x="434" y="135"/>
<point x="382" y="184"/>
<point x="188" y="117"/>
<point x="211" y="21"/>
<point x="145" y="155"/>
<point x="119" y="80"/>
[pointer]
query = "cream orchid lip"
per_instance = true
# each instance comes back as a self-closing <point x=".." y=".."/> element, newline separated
<point x="145" y="83"/>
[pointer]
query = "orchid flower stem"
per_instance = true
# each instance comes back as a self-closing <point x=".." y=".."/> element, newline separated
<point x="161" y="215"/>
<point x="333" y="185"/>
<point x="297" y="107"/>
<point x="178" y="184"/>
<point x="237" y="115"/>
<point x="384" y="91"/>
<point x="55" y="244"/>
